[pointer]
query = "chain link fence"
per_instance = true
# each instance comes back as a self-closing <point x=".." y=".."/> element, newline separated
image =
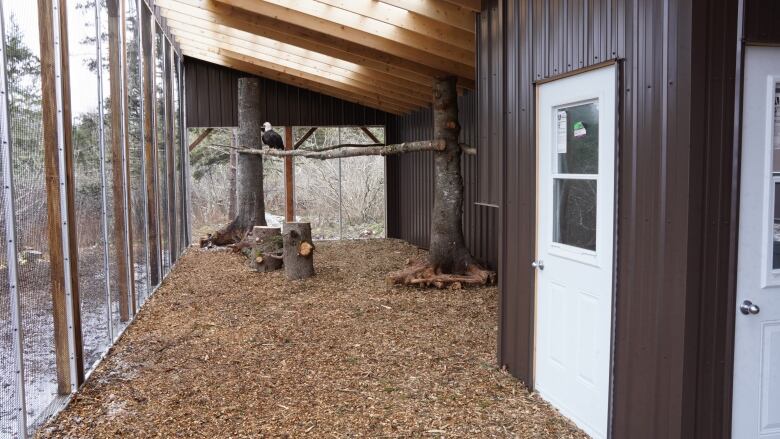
<point x="109" y="203"/>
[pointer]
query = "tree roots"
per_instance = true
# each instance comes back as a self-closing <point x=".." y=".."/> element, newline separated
<point x="421" y="273"/>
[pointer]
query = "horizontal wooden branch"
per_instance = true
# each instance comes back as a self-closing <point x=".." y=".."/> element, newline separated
<point x="352" y="151"/>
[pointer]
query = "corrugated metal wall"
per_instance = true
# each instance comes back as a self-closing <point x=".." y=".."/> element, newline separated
<point x="212" y="101"/>
<point x="674" y="199"/>
<point x="761" y="21"/>
<point x="410" y="186"/>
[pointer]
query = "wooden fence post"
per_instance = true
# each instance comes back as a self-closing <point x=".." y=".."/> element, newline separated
<point x="170" y="161"/>
<point x="119" y="238"/>
<point x="150" y="144"/>
<point x="64" y="267"/>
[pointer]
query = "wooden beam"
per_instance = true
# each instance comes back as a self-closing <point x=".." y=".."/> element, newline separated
<point x="304" y="138"/>
<point x="438" y="10"/>
<point x="200" y="138"/>
<point x="150" y="144"/>
<point x="471" y="5"/>
<point x="184" y="27"/>
<point x="311" y="74"/>
<point x="51" y="135"/>
<point x="370" y="135"/>
<point x="289" y="180"/>
<point x="128" y="192"/>
<point x="287" y="79"/>
<point x="370" y="33"/>
<point x="119" y="236"/>
<point x="409" y="21"/>
<point x="169" y="144"/>
<point x="308" y="39"/>
<point x="284" y="59"/>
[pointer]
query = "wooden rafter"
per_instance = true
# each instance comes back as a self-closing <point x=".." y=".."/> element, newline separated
<point x="287" y="79"/>
<point x="309" y="76"/>
<point x="438" y="10"/>
<point x="186" y="27"/>
<point x="410" y="21"/>
<point x="304" y="38"/>
<point x="370" y="33"/>
<point x="296" y="65"/>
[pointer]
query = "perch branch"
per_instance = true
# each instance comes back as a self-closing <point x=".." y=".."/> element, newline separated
<point x="353" y="151"/>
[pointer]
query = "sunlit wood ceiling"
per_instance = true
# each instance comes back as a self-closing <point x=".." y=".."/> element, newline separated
<point x="382" y="54"/>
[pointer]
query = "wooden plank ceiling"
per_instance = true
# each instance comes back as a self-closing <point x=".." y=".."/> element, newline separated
<point x="382" y="54"/>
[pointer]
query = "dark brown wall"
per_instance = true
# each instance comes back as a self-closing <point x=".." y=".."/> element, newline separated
<point x="212" y="93"/>
<point x="761" y="21"/>
<point x="410" y="186"/>
<point x="490" y="76"/>
<point x="675" y="209"/>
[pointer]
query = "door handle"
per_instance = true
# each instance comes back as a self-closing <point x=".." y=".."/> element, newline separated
<point x="749" y="307"/>
<point x="539" y="265"/>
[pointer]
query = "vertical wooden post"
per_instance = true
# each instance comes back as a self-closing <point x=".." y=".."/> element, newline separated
<point x="170" y="161"/>
<point x="289" y="181"/>
<point x="150" y="143"/>
<point x="119" y="238"/>
<point x="128" y="179"/>
<point x="60" y="283"/>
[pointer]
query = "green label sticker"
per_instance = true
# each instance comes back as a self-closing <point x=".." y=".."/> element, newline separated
<point x="579" y="129"/>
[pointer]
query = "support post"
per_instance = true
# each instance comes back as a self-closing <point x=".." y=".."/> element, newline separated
<point x="125" y="130"/>
<point x="119" y="238"/>
<point x="170" y="161"/>
<point x="289" y="178"/>
<point x="150" y="144"/>
<point x="58" y="169"/>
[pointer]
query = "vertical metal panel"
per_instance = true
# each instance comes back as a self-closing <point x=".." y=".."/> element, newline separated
<point x="675" y="208"/>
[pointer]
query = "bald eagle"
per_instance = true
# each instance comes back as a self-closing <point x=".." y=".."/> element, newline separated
<point x="271" y="137"/>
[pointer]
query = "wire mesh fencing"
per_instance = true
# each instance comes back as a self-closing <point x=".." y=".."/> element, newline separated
<point x="107" y="234"/>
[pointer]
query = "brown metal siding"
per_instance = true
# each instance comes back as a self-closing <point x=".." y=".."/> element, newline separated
<point x="410" y="186"/>
<point x="489" y="79"/>
<point x="675" y="150"/>
<point x="212" y="96"/>
<point x="762" y="22"/>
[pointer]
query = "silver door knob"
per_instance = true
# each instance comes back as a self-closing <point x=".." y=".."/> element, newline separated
<point x="538" y="264"/>
<point x="749" y="307"/>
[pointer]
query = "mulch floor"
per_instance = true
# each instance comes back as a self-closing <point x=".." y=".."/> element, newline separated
<point x="221" y="351"/>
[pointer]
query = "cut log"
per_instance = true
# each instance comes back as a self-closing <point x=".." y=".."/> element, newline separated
<point x="266" y="249"/>
<point x="298" y="251"/>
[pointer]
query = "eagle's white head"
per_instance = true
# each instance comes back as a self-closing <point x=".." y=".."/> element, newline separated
<point x="267" y="126"/>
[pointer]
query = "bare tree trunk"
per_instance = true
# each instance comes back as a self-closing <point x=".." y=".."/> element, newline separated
<point x="232" y="176"/>
<point x="250" y="203"/>
<point x="448" y="252"/>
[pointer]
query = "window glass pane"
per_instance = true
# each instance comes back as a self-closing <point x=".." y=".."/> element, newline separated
<point x="575" y="213"/>
<point x="776" y="172"/>
<point x="579" y="153"/>
<point x="776" y="231"/>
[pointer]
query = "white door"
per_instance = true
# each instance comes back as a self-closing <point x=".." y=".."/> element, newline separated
<point x="576" y="186"/>
<point x="756" y="405"/>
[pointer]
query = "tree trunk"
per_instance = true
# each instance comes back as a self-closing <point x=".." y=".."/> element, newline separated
<point x="232" y="176"/>
<point x="298" y="250"/>
<point x="447" y="251"/>
<point x="267" y="249"/>
<point x="250" y="207"/>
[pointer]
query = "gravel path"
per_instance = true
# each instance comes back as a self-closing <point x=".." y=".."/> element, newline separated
<point x="221" y="351"/>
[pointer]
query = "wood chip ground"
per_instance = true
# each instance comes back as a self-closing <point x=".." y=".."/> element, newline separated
<point x="221" y="351"/>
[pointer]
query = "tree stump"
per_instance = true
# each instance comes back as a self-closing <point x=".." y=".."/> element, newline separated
<point x="298" y="251"/>
<point x="267" y="248"/>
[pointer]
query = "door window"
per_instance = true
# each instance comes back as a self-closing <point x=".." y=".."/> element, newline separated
<point x="577" y="166"/>
<point x="776" y="179"/>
